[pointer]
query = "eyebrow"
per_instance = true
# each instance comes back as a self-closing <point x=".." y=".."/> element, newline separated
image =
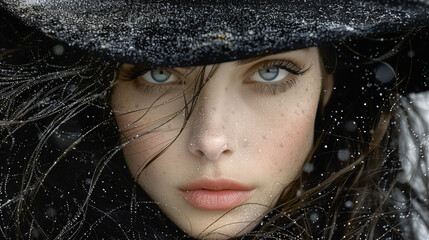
<point x="247" y="60"/>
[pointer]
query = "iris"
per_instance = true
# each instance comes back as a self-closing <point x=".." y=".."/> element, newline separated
<point x="160" y="75"/>
<point x="269" y="74"/>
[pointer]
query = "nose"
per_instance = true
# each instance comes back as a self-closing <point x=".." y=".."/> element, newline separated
<point x="210" y="131"/>
<point x="209" y="145"/>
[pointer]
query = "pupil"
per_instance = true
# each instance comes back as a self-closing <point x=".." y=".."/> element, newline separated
<point x="160" y="75"/>
<point x="268" y="74"/>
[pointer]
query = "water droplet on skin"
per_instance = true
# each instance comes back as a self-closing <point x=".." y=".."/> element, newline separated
<point x="224" y="147"/>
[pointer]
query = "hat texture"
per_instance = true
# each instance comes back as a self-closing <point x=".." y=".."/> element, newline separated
<point x="189" y="33"/>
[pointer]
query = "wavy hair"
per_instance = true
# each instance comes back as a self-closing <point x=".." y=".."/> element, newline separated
<point x="63" y="176"/>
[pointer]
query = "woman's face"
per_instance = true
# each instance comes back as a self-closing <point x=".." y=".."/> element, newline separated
<point x="247" y="138"/>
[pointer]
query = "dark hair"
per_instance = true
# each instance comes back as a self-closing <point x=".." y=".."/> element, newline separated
<point x="63" y="175"/>
<point x="352" y="186"/>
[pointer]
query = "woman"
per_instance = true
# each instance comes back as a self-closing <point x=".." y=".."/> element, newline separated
<point x="241" y="134"/>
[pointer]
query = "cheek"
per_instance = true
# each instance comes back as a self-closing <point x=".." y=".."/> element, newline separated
<point x="139" y="149"/>
<point x="289" y="139"/>
<point x="288" y="146"/>
<point x="141" y="120"/>
<point x="291" y="145"/>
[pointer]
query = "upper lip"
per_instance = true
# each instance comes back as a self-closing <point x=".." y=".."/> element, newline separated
<point x="215" y="185"/>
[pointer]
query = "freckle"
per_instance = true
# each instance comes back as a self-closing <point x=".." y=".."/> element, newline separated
<point x="136" y="106"/>
<point x="281" y="114"/>
<point x="302" y="111"/>
<point x="223" y="127"/>
<point x="233" y="112"/>
<point x="214" y="108"/>
<point x="264" y="137"/>
<point x="226" y="89"/>
<point x="168" y="126"/>
<point x="306" y="89"/>
<point x="281" y="145"/>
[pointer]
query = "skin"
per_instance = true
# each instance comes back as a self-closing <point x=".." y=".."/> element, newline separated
<point x="239" y="130"/>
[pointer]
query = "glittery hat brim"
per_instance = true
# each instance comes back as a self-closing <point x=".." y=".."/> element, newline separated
<point x="187" y="33"/>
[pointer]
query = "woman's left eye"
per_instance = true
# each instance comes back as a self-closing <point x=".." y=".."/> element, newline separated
<point x="270" y="74"/>
<point x="159" y="76"/>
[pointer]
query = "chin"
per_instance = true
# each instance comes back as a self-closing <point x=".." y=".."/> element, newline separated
<point x="226" y="232"/>
<point x="226" y="227"/>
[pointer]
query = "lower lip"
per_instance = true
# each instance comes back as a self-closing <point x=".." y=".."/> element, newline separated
<point x="216" y="199"/>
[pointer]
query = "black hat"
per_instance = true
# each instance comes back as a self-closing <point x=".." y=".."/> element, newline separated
<point x="190" y="32"/>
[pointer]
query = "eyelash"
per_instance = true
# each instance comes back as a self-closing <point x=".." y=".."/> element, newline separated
<point x="282" y="85"/>
<point x="271" y="88"/>
<point x="136" y="72"/>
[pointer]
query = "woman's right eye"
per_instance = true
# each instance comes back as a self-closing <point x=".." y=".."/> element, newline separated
<point x="159" y="76"/>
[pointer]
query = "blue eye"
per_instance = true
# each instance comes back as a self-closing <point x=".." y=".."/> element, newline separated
<point x="159" y="76"/>
<point x="269" y="74"/>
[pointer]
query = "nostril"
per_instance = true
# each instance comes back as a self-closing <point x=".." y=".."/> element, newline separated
<point x="200" y="153"/>
<point x="211" y="150"/>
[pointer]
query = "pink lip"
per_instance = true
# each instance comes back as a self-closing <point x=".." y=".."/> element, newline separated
<point x="217" y="194"/>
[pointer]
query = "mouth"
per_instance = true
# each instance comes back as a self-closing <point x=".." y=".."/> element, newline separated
<point x="217" y="194"/>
